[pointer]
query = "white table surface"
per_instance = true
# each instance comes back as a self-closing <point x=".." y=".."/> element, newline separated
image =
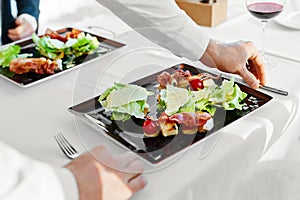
<point x="211" y="169"/>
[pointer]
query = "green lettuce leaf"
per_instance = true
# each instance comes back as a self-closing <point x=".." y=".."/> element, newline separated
<point x="133" y="109"/>
<point x="189" y="106"/>
<point x="206" y="105"/>
<point x="120" y="116"/>
<point x="116" y="86"/>
<point x="162" y="101"/>
<point x="50" y="48"/>
<point x="233" y="102"/>
<point x="9" y="53"/>
<point x="124" y="100"/>
<point x="228" y="95"/>
<point x="5" y="71"/>
<point x="74" y="47"/>
<point x="84" y="44"/>
<point x="171" y="97"/>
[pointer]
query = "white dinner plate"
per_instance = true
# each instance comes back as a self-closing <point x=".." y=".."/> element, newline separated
<point x="291" y="20"/>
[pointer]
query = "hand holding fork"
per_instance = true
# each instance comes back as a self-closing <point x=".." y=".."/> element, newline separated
<point x="101" y="175"/>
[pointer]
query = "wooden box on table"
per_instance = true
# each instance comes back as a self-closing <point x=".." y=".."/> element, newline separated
<point x="205" y="14"/>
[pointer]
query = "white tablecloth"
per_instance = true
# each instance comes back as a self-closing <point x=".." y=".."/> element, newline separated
<point x="220" y="167"/>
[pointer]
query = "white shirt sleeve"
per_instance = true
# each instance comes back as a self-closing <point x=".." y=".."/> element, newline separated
<point x="163" y="22"/>
<point x="24" y="178"/>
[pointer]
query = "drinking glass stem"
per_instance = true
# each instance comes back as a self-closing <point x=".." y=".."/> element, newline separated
<point x="264" y="23"/>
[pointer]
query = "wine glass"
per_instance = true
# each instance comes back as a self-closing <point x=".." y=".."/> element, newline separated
<point x="265" y="10"/>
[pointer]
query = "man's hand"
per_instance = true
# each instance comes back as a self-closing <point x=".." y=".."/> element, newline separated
<point x="239" y="58"/>
<point x="23" y="29"/>
<point x="102" y="176"/>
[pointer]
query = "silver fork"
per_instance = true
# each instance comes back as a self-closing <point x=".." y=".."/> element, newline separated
<point x="66" y="147"/>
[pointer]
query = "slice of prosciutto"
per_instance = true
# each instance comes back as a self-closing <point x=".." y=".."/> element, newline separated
<point x="179" y="79"/>
<point x="191" y="118"/>
<point x="191" y="122"/>
<point x="37" y="65"/>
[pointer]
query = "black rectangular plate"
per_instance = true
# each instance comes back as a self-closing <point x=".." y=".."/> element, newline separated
<point x="28" y="46"/>
<point x="159" y="148"/>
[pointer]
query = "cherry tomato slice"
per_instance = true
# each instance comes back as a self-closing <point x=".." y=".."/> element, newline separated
<point x="196" y="84"/>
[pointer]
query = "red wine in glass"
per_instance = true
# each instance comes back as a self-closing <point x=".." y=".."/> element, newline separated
<point x="265" y="10"/>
